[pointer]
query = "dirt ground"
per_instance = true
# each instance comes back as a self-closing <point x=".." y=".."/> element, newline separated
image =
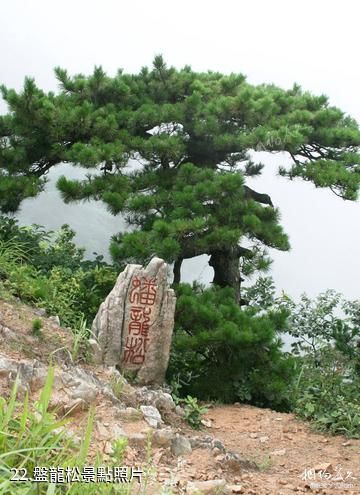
<point x="290" y="457"/>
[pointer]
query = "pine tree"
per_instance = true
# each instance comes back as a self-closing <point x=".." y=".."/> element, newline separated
<point x="191" y="135"/>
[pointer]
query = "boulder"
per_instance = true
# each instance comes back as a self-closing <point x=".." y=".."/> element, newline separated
<point x="134" y="324"/>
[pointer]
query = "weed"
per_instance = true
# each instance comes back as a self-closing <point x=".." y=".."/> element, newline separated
<point x="265" y="463"/>
<point x="117" y="385"/>
<point x="193" y="411"/>
<point x="36" y="326"/>
<point x="80" y="341"/>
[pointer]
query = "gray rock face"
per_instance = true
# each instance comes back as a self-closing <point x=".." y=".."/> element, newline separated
<point x="160" y="399"/>
<point x="129" y="414"/>
<point x="151" y="416"/>
<point x="134" y="324"/>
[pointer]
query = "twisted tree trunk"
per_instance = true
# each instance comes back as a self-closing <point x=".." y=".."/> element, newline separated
<point x="226" y="263"/>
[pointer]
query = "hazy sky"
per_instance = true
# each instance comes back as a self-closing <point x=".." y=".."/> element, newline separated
<point x="312" y="43"/>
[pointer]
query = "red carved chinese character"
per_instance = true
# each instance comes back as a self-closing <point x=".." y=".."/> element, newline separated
<point x="135" y="349"/>
<point x="135" y="327"/>
<point x="148" y="291"/>
<point x="145" y="327"/>
<point x="134" y="292"/>
<point x="136" y="313"/>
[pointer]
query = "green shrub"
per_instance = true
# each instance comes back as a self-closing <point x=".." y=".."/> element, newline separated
<point x="328" y="400"/>
<point x="326" y="392"/>
<point x="48" y="270"/>
<point x="36" y="326"/>
<point x="193" y="411"/>
<point x="44" y="249"/>
<point x="222" y="352"/>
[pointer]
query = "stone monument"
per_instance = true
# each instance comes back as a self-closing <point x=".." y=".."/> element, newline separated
<point x="134" y="325"/>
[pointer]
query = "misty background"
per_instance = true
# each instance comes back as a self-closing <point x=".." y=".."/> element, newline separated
<point x="312" y="44"/>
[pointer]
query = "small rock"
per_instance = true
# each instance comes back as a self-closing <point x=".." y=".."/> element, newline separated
<point x="206" y="487"/>
<point x="96" y="351"/>
<point x="279" y="452"/>
<point x="180" y="446"/>
<point x="85" y="392"/>
<point x="180" y="411"/>
<point x="216" y="444"/>
<point x="156" y="458"/>
<point x="75" y="406"/>
<point x="102" y="430"/>
<point x="201" y="442"/>
<point x="164" y="402"/>
<point x="263" y="439"/>
<point x="163" y="437"/>
<point x="151" y="416"/>
<point x="234" y="461"/>
<point x="235" y="489"/>
<point x="38" y="378"/>
<point x="136" y="439"/>
<point x="40" y="311"/>
<point x="116" y="431"/>
<point x="129" y="414"/>
<point x="206" y="422"/>
<point x="253" y="435"/>
<point x="108" y="448"/>
<point x="7" y="366"/>
<point x="55" y="319"/>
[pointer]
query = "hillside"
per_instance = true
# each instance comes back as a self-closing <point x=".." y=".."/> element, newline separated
<point x="240" y="449"/>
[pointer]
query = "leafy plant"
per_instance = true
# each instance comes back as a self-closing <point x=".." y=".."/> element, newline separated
<point x="119" y="447"/>
<point x="326" y="390"/>
<point x="117" y="385"/>
<point x="36" y="326"/>
<point x="47" y="269"/>
<point x="193" y="411"/>
<point x="80" y="341"/>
